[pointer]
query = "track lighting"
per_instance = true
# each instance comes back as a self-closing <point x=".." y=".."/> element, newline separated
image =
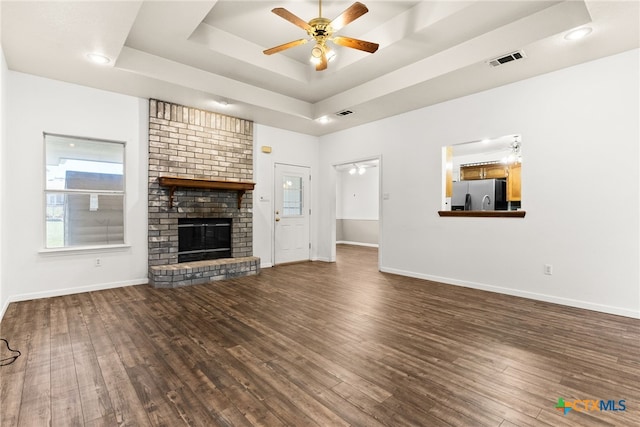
<point x="360" y="170"/>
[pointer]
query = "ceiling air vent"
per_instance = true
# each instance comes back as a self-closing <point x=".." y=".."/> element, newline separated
<point x="344" y="113"/>
<point x="513" y="56"/>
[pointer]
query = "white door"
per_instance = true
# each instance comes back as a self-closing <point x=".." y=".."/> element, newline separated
<point x="291" y="215"/>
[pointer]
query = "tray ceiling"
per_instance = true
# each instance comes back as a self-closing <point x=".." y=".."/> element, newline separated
<point x="197" y="53"/>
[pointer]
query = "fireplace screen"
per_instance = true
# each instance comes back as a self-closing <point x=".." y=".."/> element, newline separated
<point x="204" y="238"/>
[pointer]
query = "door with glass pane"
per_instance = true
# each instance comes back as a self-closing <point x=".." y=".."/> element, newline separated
<point x="291" y="214"/>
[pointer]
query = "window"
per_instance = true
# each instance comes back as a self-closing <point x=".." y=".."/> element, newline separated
<point x="483" y="178"/>
<point x="292" y="196"/>
<point x="84" y="192"/>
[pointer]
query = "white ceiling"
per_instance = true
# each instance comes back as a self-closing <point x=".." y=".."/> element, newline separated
<point x="197" y="52"/>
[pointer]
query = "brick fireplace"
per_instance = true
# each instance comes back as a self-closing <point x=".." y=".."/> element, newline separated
<point x="192" y="145"/>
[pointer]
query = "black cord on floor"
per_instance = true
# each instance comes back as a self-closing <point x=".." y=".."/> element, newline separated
<point x="9" y="360"/>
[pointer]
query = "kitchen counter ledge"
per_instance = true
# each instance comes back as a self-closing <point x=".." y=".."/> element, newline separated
<point x="484" y="214"/>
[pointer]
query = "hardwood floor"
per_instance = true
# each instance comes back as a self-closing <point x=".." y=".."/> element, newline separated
<point x="315" y="344"/>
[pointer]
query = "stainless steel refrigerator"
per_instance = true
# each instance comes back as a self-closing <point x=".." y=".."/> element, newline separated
<point x="479" y="195"/>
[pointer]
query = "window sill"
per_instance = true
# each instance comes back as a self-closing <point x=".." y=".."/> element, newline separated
<point x="84" y="249"/>
<point x="484" y="214"/>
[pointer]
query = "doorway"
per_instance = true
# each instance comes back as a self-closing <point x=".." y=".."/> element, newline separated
<point x="358" y="205"/>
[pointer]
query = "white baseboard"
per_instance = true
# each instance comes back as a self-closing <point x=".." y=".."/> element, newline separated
<point x="525" y="294"/>
<point x="518" y="293"/>
<point x="346" y="242"/>
<point x="269" y="265"/>
<point x="70" y="291"/>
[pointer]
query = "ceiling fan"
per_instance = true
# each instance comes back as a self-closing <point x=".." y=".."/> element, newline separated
<point x="322" y="30"/>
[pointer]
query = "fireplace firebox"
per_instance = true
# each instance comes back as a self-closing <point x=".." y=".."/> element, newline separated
<point x="202" y="239"/>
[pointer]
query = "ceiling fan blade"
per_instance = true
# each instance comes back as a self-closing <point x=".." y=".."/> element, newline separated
<point x="356" y="44"/>
<point x="282" y="47"/>
<point x="284" y="13"/>
<point x="322" y="65"/>
<point x="352" y="13"/>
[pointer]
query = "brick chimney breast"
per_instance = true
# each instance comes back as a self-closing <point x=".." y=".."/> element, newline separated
<point x="191" y="143"/>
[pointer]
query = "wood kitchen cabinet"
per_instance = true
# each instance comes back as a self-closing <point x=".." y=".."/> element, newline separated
<point x="449" y="172"/>
<point x="471" y="172"/>
<point x="495" y="171"/>
<point x="490" y="171"/>
<point x="514" y="183"/>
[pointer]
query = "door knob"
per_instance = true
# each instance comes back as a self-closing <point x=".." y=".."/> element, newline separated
<point x="277" y="219"/>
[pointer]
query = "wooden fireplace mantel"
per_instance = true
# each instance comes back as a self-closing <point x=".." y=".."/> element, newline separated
<point x="173" y="182"/>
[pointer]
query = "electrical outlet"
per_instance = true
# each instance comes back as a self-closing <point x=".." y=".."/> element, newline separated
<point x="548" y="269"/>
<point x="98" y="262"/>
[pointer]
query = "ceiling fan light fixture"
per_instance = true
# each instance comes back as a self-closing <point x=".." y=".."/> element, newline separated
<point x="316" y="53"/>
<point x="330" y="53"/>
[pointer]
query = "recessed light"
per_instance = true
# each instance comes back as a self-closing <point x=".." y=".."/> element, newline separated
<point x="323" y="120"/>
<point x="578" y="33"/>
<point x="222" y="103"/>
<point x="98" y="58"/>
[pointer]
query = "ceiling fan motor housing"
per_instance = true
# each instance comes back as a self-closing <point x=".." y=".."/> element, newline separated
<point x="320" y="29"/>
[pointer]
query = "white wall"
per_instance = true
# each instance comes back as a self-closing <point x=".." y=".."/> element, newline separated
<point x="357" y="196"/>
<point x="288" y="148"/>
<point x="580" y="186"/>
<point x="3" y="111"/>
<point x="40" y="105"/>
